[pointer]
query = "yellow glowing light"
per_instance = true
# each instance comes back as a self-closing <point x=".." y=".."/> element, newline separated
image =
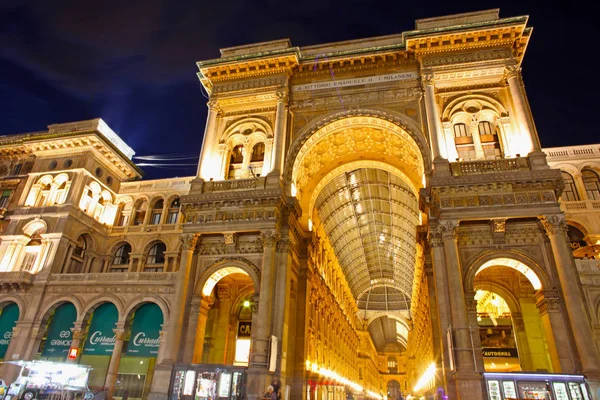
<point x="246" y="304"/>
<point x="307" y="365"/>
<point x="426" y="378"/>
<point x="294" y="190"/>
<point x="310" y="225"/>
<point x="315" y="367"/>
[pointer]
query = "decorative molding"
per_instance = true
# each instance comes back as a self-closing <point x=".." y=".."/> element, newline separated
<point x="554" y="224"/>
<point x="448" y="229"/>
<point x="269" y="237"/>
<point x="188" y="241"/>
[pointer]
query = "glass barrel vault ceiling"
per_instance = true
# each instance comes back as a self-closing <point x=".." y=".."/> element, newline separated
<point x="370" y="216"/>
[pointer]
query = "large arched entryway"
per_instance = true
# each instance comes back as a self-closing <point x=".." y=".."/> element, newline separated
<point x="357" y="176"/>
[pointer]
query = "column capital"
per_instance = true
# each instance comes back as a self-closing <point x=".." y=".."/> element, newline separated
<point x="188" y="241"/>
<point x="282" y="96"/>
<point x="284" y="246"/>
<point x="446" y="124"/>
<point x="428" y="79"/>
<point x="448" y="229"/>
<point x="269" y="237"/>
<point x="512" y="71"/>
<point x="213" y="105"/>
<point x="554" y="224"/>
<point x="78" y="333"/>
<point x="120" y="333"/>
<point x="435" y="238"/>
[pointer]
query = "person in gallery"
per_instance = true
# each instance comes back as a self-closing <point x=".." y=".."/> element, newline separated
<point x="270" y="395"/>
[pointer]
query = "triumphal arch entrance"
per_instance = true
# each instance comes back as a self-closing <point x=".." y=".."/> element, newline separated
<point x="373" y="219"/>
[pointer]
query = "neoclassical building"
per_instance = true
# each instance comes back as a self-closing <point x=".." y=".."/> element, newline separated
<point x="369" y="219"/>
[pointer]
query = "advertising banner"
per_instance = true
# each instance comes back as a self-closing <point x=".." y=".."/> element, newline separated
<point x="145" y="332"/>
<point x="8" y="319"/>
<point x="101" y="338"/>
<point x="59" y="337"/>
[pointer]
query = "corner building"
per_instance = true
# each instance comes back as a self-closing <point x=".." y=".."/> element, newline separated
<point x="369" y="219"/>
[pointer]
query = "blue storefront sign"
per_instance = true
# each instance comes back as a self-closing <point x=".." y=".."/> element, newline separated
<point x="101" y="338"/>
<point x="59" y="338"/>
<point x="145" y="331"/>
<point x="8" y="319"/>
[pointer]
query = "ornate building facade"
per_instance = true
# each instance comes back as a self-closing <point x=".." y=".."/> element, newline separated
<point x="369" y="218"/>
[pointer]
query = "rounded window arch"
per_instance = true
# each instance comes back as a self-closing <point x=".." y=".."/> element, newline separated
<point x="156" y="214"/>
<point x="173" y="214"/>
<point x="32" y="252"/>
<point x="570" y="192"/>
<point x="236" y="160"/>
<point x="156" y="258"/>
<point x="140" y="212"/>
<point x="591" y="181"/>
<point x="124" y="212"/>
<point x="121" y="257"/>
<point x="78" y="255"/>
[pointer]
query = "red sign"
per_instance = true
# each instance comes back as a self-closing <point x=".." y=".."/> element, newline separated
<point x="73" y="352"/>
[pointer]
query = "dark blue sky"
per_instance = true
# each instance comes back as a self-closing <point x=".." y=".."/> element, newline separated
<point x="132" y="63"/>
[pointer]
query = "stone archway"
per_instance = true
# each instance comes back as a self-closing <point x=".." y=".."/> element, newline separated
<point x="540" y="325"/>
<point x="217" y="292"/>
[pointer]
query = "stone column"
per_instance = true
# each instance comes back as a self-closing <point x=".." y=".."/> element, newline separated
<point x="222" y="324"/>
<point x="442" y="302"/>
<point x="556" y="229"/>
<point x="474" y="129"/>
<point x="467" y="379"/>
<point x="115" y="359"/>
<point x="434" y="123"/>
<point x="204" y="167"/>
<point x="522" y="110"/>
<point x="559" y="349"/>
<point x="259" y="356"/>
<point x="473" y="323"/>
<point x="205" y="305"/>
<point x="77" y="337"/>
<point x="282" y="296"/>
<point x="521" y="340"/>
<point x="182" y="291"/>
<point x="451" y="150"/>
<point x="280" y="131"/>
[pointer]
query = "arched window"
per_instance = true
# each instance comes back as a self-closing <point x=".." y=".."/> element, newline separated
<point x="489" y="140"/>
<point x="120" y="261"/>
<point x="78" y="256"/>
<point x="44" y="193"/>
<point x="32" y="251"/>
<point x="156" y="212"/>
<point x="140" y="213"/>
<point x="124" y="213"/>
<point x="235" y="162"/>
<point x="258" y="152"/>
<point x="570" y="192"/>
<point x="392" y="365"/>
<point x="463" y="141"/>
<point x="576" y="237"/>
<point x="156" y="258"/>
<point x="591" y="183"/>
<point x="173" y="212"/>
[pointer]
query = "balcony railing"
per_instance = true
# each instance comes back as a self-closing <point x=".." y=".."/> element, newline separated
<point x="116" y="277"/>
<point x="16" y="279"/>
<point x="488" y="166"/>
<point x="572" y="151"/>
<point x="583" y="205"/>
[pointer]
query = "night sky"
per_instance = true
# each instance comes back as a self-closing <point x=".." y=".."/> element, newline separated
<point x="132" y="63"/>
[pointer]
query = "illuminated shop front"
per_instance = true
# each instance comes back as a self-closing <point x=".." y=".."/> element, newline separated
<point x="204" y="382"/>
<point x="138" y="358"/>
<point x="9" y="315"/>
<point x="505" y="386"/>
<point x="57" y="342"/>
<point x="99" y="343"/>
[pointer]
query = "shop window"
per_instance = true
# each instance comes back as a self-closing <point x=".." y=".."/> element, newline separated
<point x="4" y="198"/>
<point x="570" y="192"/>
<point x="78" y="256"/>
<point x="156" y="212"/>
<point x="173" y="212"/>
<point x="140" y="213"/>
<point x="120" y="261"/>
<point x="156" y="258"/>
<point x="591" y="183"/>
